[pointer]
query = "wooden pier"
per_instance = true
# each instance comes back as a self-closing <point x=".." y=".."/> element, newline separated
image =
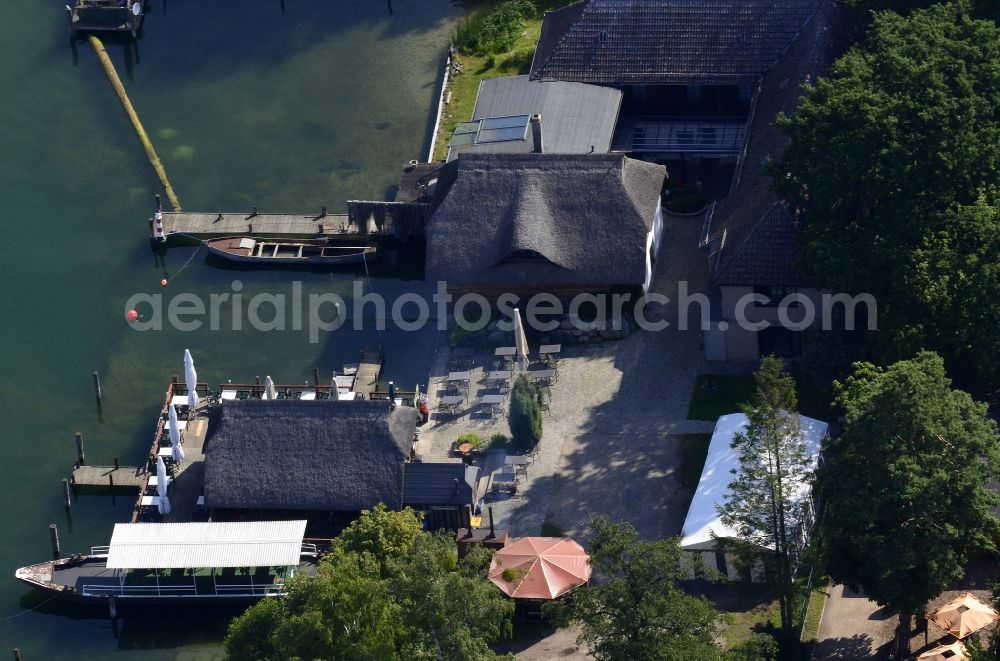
<point x="369" y="371"/>
<point x="98" y="476"/>
<point x="211" y="225"/>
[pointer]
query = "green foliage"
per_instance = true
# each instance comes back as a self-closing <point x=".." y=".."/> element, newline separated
<point x="385" y="591"/>
<point x="763" y="504"/>
<point x="638" y="611"/>
<point x="716" y="395"/>
<point x="894" y="159"/>
<point x="495" y="31"/>
<point x="472" y="438"/>
<point x="905" y="485"/>
<point x="760" y="647"/>
<point x="988" y="9"/>
<point x="525" y="413"/>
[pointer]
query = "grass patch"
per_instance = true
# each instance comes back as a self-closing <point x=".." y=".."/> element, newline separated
<point x="738" y="626"/>
<point x="716" y="395"/>
<point x="693" y="450"/>
<point x="814" y="611"/>
<point x="476" y="68"/>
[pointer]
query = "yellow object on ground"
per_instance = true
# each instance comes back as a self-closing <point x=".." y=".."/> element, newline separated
<point x="116" y="82"/>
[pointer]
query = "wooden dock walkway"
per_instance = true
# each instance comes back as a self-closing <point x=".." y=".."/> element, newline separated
<point x="97" y="476"/>
<point x="369" y="371"/>
<point x="210" y="225"/>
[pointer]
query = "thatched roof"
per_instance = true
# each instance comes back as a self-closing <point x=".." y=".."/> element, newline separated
<point x="307" y="455"/>
<point x="543" y="218"/>
<point x="752" y="235"/>
<point x="658" y="42"/>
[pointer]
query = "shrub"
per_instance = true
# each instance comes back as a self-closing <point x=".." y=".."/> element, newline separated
<point x="472" y="438"/>
<point x="496" y="31"/>
<point x="498" y="440"/>
<point x="525" y="413"/>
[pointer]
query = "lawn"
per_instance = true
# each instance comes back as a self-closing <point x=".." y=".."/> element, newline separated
<point x="726" y="393"/>
<point x="475" y="68"/>
<point x="716" y="395"/>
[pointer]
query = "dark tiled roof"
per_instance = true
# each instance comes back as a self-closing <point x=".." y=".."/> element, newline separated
<point x="739" y="257"/>
<point x="629" y="42"/>
<point x="439" y="484"/>
<point x="307" y="455"/>
<point x="587" y="216"/>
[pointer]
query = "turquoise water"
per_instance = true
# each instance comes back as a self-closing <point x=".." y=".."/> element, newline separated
<point x="247" y="106"/>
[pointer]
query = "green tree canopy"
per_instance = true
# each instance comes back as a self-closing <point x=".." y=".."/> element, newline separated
<point x="764" y="504"/>
<point x="638" y="611"/>
<point x="905" y="486"/>
<point x="386" y="591"/>
<point x="887" y="156"/>
<point x="980" y="8"/>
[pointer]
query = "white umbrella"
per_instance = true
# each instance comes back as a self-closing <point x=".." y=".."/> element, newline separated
<point x="269" y="391"/>
<point x="190" y="379"/>
<point x="175" y="435"/>
<point x="520" y="340"/>
<point x="161" y="482"/>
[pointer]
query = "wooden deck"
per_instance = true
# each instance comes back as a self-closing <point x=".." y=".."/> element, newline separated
<point x="369" y="371"/>
<point x="97" y="476"/>
<point x="209" y="225"/>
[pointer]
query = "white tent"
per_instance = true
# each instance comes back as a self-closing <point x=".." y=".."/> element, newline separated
<point x="703" y="525"/>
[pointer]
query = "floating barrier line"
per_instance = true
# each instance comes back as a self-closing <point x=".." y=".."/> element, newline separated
<point x="116" y="82"/>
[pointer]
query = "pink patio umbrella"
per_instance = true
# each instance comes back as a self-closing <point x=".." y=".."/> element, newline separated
<point x="540" y="567"/>
<point x="963" y="616"/>
<point x="952" y="652"/>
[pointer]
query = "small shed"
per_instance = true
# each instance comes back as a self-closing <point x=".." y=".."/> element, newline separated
<point x="703" y="526"/>
<point x="444" y="492"/>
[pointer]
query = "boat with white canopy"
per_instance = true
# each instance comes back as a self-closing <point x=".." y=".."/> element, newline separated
<point x="195" y="562"/>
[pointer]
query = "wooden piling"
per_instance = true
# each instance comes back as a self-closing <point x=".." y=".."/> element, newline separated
<point x="316" y="377"/>
<point x="54" y="540"/>
<point x="97" y="385"/>
<point x="67" y="493"/>
<point x="147" y="144"/>
<point x="116" y="463"/>
<point x="17" y="654"/>
<point x="78" y="437"/>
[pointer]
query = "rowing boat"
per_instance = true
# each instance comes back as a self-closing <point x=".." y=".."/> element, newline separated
<point x="274" y="251"/>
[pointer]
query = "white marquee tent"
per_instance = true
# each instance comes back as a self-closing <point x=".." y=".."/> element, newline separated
<point x="703" y="526"/>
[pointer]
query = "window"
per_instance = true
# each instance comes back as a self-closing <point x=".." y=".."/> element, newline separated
<point x="774" y="295"/>
<point x="779" y="341"/>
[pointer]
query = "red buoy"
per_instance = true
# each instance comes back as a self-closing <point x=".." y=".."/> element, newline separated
<point x="132" y="315"/>
<point x="163" y="283"/>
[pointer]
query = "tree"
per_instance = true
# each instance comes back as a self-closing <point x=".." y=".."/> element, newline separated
<point x="980" y="8"/>
<point x="525" y="413"/>
<point x="387" y="591"/>
<point x="638" y="611"/>
<point x="765" y="503"/>
<point x="885" y="154"/>
<point x="905" y="486"/>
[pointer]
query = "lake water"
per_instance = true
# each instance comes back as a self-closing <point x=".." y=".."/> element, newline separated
<point x="247" y="105"/>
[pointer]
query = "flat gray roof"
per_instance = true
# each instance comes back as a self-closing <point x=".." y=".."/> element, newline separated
<point x="577" y="118"/>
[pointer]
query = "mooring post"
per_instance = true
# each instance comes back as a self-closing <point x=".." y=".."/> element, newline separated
<point x="79" y="445"/>
<point x="322" y="213"/>
<point x="116" y="463"/>
<point x="173" y="380"/>
<point x="112" y="607"/>
<point x="97" y="385"/>
<point x="54" y="540"/>
<point x="111" y="480"/>
<point x="254" y="212"/>
<point x="66" y="491"/>
<point x="17" y="654"/>
<point x="316" y="378"/>
<point x="249" y="228"/>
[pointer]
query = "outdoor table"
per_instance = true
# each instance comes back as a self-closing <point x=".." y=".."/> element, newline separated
<point x="459" y="376"/>
<point x="228" y="394"/>
<point x="505" y="352"/>
<point x="499" y="375"/>
<point x="547" y="375"/>
<point x="154" y="481"/>
<point x="150" y="501"/>
<point x="346" y="396"/>
<point x="492" y="402"/>
<point x="181" y="425"/>
<point x="451" y="402"/>
<point x="547" y="351"/>
<point x="166" y="453"/>
<point x="308" y="395"/>
<point x="179" y="400"/>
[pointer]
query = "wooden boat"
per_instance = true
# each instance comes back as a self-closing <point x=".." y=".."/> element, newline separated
<point x="215" y="562"/>
<point x="278" y="251"/>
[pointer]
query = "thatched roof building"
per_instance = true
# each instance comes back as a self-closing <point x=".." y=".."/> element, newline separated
<point x="307" y="455"/>
<point x="545" y="222"/>
<point x="667" y="42"/>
